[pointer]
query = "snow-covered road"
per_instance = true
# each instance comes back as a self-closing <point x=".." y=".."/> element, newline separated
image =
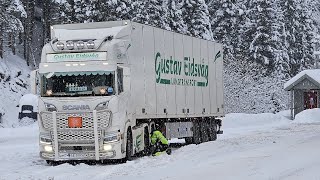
<point x="264" y="146"/>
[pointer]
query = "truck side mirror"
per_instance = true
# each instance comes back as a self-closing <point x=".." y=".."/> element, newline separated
<point x="34" y="81"/>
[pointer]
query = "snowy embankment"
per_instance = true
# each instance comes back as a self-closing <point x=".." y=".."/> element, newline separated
<point x="14" y="76"/>
<point x="257" y="146"/>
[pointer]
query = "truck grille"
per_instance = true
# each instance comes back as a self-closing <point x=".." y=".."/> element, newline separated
<point x="103" y="118"/>
<point x="76" y="136"/>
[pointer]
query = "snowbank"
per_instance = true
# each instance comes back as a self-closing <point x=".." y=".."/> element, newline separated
<point x="239" y="123"/>
<point x="14" y="77"/>
<point x="308" y="116"/>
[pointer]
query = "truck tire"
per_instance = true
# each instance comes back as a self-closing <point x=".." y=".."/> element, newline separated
<point x="146" y="150"/>
<point x="129" y="148"/>
<point x="196" y="132"/>
<point x="188" y="140"/>
<point x="212" y="130"/>
<point x="204" y="129"/>
<point x="53" y="163"/>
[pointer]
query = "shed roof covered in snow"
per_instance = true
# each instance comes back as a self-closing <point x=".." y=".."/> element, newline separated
<point x="311" y="76"/>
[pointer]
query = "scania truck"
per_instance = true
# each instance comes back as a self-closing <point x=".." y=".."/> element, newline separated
<point x="104" y="86"/>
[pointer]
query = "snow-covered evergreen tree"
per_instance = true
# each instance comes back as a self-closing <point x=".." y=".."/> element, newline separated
<point x="298" y="27"/>
<point x="225" y="23"/>
<point x="263" y="45"/>
<point x="82" y="9"/>
<point x="196" y="16"/>
<point x="121" y="9"/>
<point x="68" y="12"/>
<point x="10" y="23"/>
<point x="175" y="19"/>
<point x="110" y="10"/>
<point x="152" y="12"/>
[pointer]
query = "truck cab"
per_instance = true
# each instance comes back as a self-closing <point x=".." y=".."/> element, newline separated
<point x="82" y="83"/>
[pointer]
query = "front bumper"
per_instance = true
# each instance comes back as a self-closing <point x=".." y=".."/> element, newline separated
<point x="68" y="155"/>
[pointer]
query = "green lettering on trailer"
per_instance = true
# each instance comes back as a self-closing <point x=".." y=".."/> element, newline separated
<point x="169" y="71"/>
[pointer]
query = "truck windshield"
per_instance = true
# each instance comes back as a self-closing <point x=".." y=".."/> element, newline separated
<point x="77" y="84"/>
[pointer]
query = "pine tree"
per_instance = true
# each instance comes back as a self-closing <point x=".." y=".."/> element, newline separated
<point x="28" y="23"/>
<point x="196" y="16"/>
<point x="98" y="11"/>
<point x="226" y="18"/>
<point x="152" y="12"/>
<point x="298" y="27"/>
<point x="10" y="24"/>
<point x="140" y="13"/>
<point x="175" y="19"/>
<point x="68" y="12"/>
<point x="263" y="47"/>
<point x="120" y="10"/>
<point x="81" y="9"/>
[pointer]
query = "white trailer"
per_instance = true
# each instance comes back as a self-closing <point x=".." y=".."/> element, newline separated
<point x="103" y="86"/>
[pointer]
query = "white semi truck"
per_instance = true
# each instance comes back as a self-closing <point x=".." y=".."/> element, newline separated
<point x="103" y="86"/>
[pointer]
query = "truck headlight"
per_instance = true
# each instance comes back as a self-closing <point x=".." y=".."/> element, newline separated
<point x="107" y="147"/>
<point x="45" y="140"/>
<point x="50" y="107"/>
<point x="48" y="148"/>
<point x="111" y="137"/>
<point x="102" y="106"/>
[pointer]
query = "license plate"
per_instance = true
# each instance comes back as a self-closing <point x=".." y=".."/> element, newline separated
<point x="75" y="122"/>
<point x="72" y="155"/>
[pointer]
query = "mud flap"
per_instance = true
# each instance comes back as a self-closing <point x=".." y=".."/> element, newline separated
<point x="219" y="123"/>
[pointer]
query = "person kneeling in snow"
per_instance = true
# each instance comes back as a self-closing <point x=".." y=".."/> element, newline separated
<point x="159" y="142"/>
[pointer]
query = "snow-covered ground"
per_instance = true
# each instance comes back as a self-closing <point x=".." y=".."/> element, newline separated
<point x="259" y="146"/>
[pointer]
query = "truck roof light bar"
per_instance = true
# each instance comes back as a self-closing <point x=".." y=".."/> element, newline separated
<point x="80" y="44"/>
<point x="90" y="44"/>
<point x="70" y="45"/>
<point x="60" y="45"/>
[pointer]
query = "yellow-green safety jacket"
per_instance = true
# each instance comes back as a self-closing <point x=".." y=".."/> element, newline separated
<point x="158" y="136"/>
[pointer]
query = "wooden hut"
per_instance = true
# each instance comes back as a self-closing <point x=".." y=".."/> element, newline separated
<point x="304" y="91"/>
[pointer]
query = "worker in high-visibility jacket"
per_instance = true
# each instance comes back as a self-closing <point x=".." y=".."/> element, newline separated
<point x="159" y="142"/>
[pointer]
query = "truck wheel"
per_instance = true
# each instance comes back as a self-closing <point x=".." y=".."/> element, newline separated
<point x="188" y="140"/>
<point x="53" y="163"/>
<point x="212" y="131"/>
<point x="146" y="150"/>
<point x="129" y="148"/>
<point x="204" y="129"/>
<point x="196" y="132"/>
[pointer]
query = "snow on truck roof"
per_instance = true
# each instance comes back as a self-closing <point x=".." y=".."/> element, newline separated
<point x="313" y="74"/>
<point x="89" y="30"/>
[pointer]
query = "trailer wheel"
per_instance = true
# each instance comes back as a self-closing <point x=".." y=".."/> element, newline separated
<point x="212" y="131"/>
<point x="196" y="132"/>
<point x="129" y="148"/>
<point x="204" y="129"/>
<point x="188" y="140"/>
